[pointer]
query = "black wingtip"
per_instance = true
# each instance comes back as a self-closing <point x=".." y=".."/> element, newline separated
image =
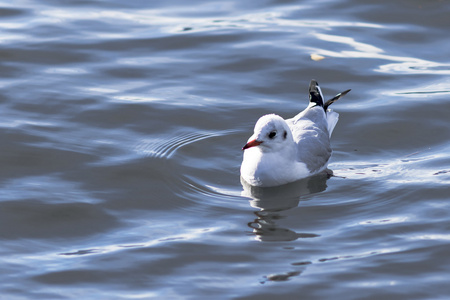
<point x="315" y="94"/>
<point x="335" y="98"/>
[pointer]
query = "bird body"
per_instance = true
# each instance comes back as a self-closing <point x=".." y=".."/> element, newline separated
<point x="282" y="151"/>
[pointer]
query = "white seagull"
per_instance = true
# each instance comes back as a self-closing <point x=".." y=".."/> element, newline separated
<point x="282" y="151"/>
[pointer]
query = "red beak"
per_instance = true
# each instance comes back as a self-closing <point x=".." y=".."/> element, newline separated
<point x="250" y="144"/>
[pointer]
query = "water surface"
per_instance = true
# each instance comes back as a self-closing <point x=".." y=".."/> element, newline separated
<point x="122" y="126"/>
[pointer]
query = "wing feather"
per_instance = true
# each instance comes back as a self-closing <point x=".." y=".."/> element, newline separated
<point x="310" y="133"/>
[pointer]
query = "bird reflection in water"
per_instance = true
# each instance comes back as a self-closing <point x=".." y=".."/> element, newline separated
<point x="271" y="201"/>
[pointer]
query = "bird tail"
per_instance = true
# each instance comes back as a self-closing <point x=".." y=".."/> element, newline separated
<point x="332" y="119"/>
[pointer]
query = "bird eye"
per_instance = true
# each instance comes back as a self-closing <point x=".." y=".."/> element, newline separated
<point x="272" y="134"/>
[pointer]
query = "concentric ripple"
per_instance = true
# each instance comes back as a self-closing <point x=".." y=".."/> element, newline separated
<point x="166" y="148"/>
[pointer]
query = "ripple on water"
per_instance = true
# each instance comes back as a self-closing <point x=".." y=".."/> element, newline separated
<point x="427" y="167"/>
<point x="189" y="172"/>
<point x="165" y="148"/>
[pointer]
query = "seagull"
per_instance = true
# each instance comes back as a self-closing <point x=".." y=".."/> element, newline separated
<point x="282" y="151"/>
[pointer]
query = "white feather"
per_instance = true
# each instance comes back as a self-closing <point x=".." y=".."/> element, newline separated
<point x="332" y="119"/>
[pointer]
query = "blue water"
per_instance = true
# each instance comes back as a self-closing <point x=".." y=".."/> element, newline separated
<point x="122" y="126"/>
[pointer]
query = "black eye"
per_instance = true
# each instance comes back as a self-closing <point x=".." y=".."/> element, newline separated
<point x="272" y="134"/>
<point x="285" y="134"/>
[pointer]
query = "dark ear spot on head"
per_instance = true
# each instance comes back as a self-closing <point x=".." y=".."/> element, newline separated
<point x="285" y="134"/>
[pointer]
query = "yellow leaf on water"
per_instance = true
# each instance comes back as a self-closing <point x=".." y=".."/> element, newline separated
<point x="317" y="57"/>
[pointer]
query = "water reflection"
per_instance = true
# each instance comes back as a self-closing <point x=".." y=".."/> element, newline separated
<point x="272" y="201"/>
<point x="266" y="229"/>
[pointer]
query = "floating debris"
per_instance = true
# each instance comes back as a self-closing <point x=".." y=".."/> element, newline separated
<point x="317" y="57"/>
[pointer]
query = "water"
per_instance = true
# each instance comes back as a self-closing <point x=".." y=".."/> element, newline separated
<point x="121" y="129"/>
